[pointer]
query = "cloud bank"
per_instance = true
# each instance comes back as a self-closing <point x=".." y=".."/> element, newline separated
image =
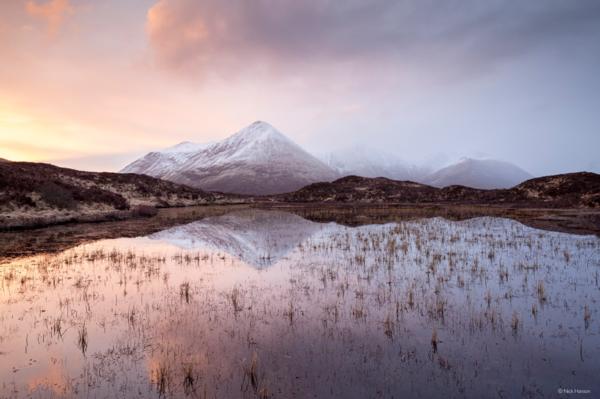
<point x="453" y="37"/>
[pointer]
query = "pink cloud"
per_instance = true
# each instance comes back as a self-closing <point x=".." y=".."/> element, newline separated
<point x="52" y="12"/>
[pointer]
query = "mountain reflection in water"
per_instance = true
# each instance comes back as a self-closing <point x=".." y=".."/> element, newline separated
<point x="257" y="237"/>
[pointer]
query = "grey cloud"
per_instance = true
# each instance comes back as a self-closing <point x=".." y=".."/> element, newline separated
<point x="198" y="35"/>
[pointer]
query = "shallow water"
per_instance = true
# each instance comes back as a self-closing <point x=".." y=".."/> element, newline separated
<point x="267" y="304"/>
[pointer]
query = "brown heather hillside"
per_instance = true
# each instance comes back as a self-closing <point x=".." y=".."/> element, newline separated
<point x="573" y="190"/>
<point x="362" y="189"/>
<point x="567" y="190"/>
<point x="37" y="193"/>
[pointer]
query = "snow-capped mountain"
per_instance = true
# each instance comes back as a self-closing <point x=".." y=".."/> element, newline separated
<point x="160" y="163"/>
<point x="478" y="173"/>
<point x="259" y="238"/>
<point x="370" y="162"/>
<point x="259" y="160"/>
<point x="256" y="160"/>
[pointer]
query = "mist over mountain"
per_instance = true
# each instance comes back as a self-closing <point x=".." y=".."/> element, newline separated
<point x="478" y="173"/>
<point x="368" y="161"/>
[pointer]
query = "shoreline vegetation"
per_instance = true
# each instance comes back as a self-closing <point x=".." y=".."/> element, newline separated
<point x="36" y="195"/>
<point x="55" y="238"/>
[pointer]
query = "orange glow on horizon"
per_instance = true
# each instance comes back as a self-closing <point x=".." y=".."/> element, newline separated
<point x="28" y="137"/>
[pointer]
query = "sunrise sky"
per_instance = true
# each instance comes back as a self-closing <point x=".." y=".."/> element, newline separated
<point x="93" y="84"/>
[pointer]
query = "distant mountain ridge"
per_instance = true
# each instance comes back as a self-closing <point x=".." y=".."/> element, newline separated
<point x="260" y="160"/>
<point x="477" y="173"/>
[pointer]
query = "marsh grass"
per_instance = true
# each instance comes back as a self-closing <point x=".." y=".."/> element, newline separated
<point x="252" y="379"/>
<point x="189" y="379"/>
<point x="290" y="313"/>
<point x="82" y="339"/>
<point x="434" y="341"/>
<point x="161" y="378"/>
<point x="587" y="316"/>
<point x="411" y="298"/>
<point x="236" y="300"/>
<point x="56" y="327"/>
<point x="343" y="307"/>
<point x="541" y="291"/>
<point x="388" y="326"/>
<point x="184" y="292"/>
<point x="515" y="322"/>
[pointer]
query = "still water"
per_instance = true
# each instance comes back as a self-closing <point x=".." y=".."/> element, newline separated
<point x="266" y="304"/>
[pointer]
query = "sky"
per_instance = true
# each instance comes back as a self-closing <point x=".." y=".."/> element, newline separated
<point x="94" y="84"/>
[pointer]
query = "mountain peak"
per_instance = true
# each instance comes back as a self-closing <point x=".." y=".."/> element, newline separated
<point x="260" y="123"/>
<point x="259" y="131"/>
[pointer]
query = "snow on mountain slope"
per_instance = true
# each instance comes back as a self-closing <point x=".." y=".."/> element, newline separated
<point x="159" y="163"/>
<point x="478" y="173"/>
<point x="185" y="147"/>
<point x="256" y="160"/>
<point x="370" y="162"/>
